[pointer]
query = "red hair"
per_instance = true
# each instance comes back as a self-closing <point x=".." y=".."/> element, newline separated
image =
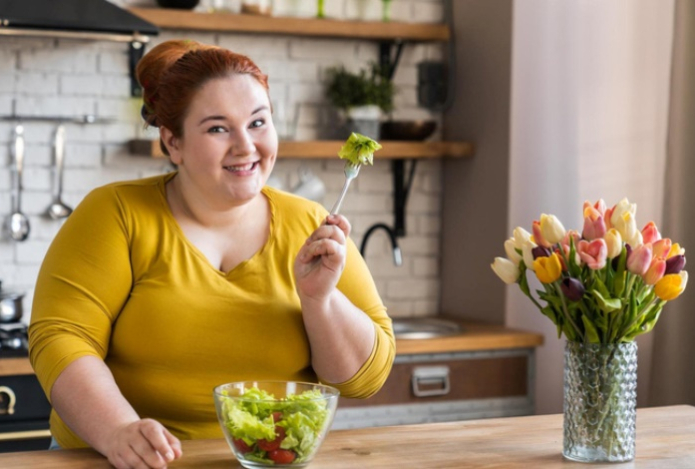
<point x="172" y="72"/>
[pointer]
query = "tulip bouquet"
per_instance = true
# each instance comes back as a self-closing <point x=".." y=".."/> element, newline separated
<point x="607" y="284"/>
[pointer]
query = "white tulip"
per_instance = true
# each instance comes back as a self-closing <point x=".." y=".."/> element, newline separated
<point x="552" y="229"/>
<point x="505" y="269"/>
<point x="510" y="249"/>
<point x="528" y="255"/>
<point x="520" y="237"/>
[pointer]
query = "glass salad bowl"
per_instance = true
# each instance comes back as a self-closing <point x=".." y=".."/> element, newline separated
<point x="275" y="423"/>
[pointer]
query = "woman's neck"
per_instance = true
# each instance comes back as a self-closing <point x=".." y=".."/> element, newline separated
<point x="195" y="207"/>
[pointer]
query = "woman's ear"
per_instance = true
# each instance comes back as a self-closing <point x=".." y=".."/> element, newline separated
<point x="172" y="144"/>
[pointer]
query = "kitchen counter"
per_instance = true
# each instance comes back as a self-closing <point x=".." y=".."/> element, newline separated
<point x="473" y="337"/>
<point x="665" y="439"/>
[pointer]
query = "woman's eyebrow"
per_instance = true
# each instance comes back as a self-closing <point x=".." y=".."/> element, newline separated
<point x="221" y="118"/>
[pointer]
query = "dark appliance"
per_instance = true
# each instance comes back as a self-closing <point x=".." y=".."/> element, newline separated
<point x="24" y="409"/>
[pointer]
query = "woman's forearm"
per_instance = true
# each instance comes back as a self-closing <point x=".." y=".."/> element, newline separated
<point x="88" y="400"/>
<point x="341" y="336"/>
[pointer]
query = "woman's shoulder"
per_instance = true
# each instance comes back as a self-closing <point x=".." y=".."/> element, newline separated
<point x="137" y="191"/>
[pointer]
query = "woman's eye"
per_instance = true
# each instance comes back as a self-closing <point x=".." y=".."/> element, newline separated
<point x="216" y="129"/>
<point x="257" y="123"/>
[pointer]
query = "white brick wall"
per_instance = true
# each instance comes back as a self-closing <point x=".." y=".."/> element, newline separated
<point x="68" y="77"/>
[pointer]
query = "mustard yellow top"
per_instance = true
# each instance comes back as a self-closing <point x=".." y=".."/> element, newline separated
<point x="122" y="282"/>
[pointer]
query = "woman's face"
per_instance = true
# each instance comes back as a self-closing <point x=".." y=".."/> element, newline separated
<point x="229" y="143"/>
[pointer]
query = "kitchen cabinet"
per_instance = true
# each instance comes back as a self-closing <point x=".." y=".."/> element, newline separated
<point x="485" y="371"/>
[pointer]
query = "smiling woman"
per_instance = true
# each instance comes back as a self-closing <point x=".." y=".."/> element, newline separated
<point x="157" y="290"/>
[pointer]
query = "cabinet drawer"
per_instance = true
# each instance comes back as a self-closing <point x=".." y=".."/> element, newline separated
<point x="439" y="380"/>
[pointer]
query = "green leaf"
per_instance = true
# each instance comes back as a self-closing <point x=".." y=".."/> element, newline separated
<point x="607" y="305"/>
<point x="590" y="333"/>
<point x="523" y="281"/>
<point x="620" y="274"/>
<point x="550" y="313"/>
<point x="601" y="287"/>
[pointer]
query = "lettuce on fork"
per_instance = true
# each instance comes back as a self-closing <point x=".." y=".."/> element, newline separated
<point x="359" y="149"/>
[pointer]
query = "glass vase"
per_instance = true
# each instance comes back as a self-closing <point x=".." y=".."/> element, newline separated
<point x="600" y="402"/>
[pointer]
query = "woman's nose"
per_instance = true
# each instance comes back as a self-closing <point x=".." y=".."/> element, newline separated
<point x="243" y="144"/>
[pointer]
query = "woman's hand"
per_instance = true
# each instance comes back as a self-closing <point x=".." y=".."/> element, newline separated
<point x="320" y="261"/>
<point x="143" y="444"/>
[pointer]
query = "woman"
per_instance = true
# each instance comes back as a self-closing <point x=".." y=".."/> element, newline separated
<point x="156" y="290"/>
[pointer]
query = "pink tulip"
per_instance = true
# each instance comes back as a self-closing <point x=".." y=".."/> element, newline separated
<point x="594" y="253"/>
<point x="655" y="272"/>
<point x="661" y="248"/>
<point x="594" y="228"/>
<point x="650" y="234"/>
<point x="639" y="259"/>
<point x="607" y="217"/>
<point x="538" y="235"/>
<point x="574" y="234"/>
<point x="599" y="208"/>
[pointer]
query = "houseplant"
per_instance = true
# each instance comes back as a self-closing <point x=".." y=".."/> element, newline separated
<point x="361" y="97"/>
<point x="601" y="288"/>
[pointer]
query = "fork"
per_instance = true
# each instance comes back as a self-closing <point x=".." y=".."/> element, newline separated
<point x="351" y="170"/>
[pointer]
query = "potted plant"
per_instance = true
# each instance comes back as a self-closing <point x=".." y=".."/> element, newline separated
<point x="362" y="97"/>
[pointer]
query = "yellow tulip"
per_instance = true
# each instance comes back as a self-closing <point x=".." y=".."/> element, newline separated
<point x="676" y="250"/>
<point x="548" y="269"/>
<point x="671" y="286"/>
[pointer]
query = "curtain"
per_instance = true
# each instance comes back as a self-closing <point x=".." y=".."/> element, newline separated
<point x="673" y="371"/>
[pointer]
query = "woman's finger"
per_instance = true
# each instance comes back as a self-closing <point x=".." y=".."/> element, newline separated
<point x="159" y="451"/>
<point x="174" y="443"/>
<point x="341" y="222"/>
<point x="327" y="232"/>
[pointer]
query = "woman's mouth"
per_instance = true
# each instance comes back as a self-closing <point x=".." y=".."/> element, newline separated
<point x="242" y="168"/>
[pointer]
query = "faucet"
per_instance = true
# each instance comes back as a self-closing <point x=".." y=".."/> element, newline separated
<point x="397" y="258"/>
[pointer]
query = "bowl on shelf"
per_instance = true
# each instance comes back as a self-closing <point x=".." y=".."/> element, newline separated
<point x="178" y="4"/>
<point x="412" y="130"/>
<point x="275" y="423"/>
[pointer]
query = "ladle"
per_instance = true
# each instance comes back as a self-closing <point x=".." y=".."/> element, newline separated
<point x="17" y="224"/>
<point x="58" y="209"/>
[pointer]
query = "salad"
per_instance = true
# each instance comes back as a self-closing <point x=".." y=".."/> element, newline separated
<point x="359" y="149"/>
<point x="275" y="431"/>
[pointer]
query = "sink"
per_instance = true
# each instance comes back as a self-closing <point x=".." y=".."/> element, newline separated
<point x="424" y="328"/>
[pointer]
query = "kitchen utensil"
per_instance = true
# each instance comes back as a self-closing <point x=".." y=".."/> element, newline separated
<point x="302" y="414"/>
<point x="58" y="209"/>
<point x="407" y="130"/>
<point x="310" y="186"/>
<point x="351" y="171"/>
<point x="17" y="224"/>
<point x="10" y="305"/>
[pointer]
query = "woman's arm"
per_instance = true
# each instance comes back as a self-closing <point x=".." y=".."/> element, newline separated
<point x="341" y="336"/>
<point x="88" y="400"/>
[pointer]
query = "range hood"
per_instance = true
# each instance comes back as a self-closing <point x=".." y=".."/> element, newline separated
<point x="73" y="19"/>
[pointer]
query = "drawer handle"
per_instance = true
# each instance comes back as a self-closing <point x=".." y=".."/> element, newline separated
<point x="13" y="400"/>
<point x="430" y="381"/>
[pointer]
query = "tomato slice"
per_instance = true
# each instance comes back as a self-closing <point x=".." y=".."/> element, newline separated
<point x="266" y="445"/>
<point x="241" y="445"/>
<point x="277" y="416"/>
<point x="282" y="456"/>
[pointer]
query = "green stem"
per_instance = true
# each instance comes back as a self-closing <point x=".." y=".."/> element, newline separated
<point x="564" y="309"/>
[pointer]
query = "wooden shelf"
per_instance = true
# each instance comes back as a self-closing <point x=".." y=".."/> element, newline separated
<point x="376" y="30"/>
<point x="330" y="148"/>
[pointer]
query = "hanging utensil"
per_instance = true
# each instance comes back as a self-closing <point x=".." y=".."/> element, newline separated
<point x="58" y="209"/>
<point x="17" y="224"/>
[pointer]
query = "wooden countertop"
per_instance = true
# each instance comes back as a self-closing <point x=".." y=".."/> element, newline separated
<point x="665" y="439"/>
<point x="474" y="337"/>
